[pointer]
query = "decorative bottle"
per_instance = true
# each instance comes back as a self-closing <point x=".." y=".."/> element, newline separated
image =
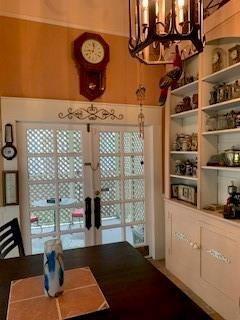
<point x="53" y="268"/>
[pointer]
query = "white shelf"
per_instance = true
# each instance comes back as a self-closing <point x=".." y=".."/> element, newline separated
<point x="219" y="132"/>
<point x="225" y="75"/>
<point x="183" y="177"/>
<point x="236" y="169"/>
<point x="183" y="152"/>
<point x="187" y="88"/>
<point x="223" y="105"/>
<point x="184" y="114"/>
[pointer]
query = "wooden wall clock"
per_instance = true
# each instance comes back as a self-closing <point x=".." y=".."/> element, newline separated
<point x="91" y="54"/>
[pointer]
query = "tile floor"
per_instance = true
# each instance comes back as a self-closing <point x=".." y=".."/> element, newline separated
<point x="160" y="265"/>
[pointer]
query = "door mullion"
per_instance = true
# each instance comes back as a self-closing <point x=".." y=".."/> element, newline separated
<point x="87" y="181"/>
<point x="57" y="207"/>
<point x="96" y="179"/>
<point x="123" y="218"/>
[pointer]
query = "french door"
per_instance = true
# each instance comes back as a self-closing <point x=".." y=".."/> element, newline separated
<point x="83" y="184"/>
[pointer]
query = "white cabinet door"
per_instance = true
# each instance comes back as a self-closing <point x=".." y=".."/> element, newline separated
<point x="220" y="265"/>
<point x="182" y="247"/>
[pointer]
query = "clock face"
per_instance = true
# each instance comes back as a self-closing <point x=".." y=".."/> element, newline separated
<point x="92" y="51"/>
<point x="9" y="152"/>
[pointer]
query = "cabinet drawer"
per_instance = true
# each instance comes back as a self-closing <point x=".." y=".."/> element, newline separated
<point x="220" y="263"/>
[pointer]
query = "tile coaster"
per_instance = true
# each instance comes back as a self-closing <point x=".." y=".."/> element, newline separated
<point x="82" y="295"/>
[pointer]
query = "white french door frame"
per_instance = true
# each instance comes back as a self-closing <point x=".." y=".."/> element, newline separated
<point x="25" y="206"/>
<point x="14" y="110"/>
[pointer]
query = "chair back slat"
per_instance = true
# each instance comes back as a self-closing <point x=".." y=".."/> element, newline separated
<point x="8" y="249"/>
<point x="5" y="244"/>
<point x="10" y="233"/>
<point x="5" y="235"/>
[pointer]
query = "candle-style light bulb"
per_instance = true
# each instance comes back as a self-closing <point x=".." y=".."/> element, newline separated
<point x="145" y="11"/>
<point x="145" y="4"/>
<point x="157" y="9"/>
<point x="181" y="4"/>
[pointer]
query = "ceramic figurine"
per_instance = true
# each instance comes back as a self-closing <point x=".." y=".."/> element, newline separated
<point x="189" y="168"/>
<point x="53" y="268"/>
<point x="186" y="145"/>
<point x="179" y="168"/>
<point x="187" y="103"/>
<point x="179" y="107"/>
<point x="195" y="101"/>
<point x="237" y="120"/>
<point x="194" y="168"/>
<point x="194" y="144"/>
<point x="214" y="95"/>
<point x="236" y="90"/>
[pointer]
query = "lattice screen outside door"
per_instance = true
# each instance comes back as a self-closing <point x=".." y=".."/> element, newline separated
<point x="61" y="166"/>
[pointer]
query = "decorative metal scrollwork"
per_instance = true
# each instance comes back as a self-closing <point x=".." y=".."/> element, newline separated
<point x="219" y="256"/>
<point x="181" y="236"/>
<point x="90" y="113"/>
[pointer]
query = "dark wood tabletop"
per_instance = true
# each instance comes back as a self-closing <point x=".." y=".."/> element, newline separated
<point x="133" y="288"/>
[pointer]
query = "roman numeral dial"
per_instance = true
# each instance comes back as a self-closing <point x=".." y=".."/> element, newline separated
<point x="92" y="51"/>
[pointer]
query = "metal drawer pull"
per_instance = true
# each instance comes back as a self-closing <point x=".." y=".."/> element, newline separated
<point x="218" y="255"/>
<point x="196" y="246"/>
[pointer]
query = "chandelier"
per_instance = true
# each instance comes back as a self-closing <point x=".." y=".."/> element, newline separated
<point x="156" y="25"/>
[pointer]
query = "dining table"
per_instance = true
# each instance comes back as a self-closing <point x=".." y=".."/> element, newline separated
<point x="132" y="286"/>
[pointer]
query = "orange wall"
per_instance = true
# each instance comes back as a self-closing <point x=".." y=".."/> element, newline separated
<point x="36" y="61"/>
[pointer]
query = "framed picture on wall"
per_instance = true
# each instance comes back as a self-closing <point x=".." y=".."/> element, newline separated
<point x="10" y="188"/>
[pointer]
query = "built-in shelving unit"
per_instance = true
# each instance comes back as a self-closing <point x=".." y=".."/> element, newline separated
<point x="212" y="181"/>
<point x="202" y="247"/>
<point x="186" y="123"/>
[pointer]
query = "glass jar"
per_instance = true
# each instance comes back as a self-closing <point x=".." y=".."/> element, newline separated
<point x="222" y="122"/>
<point x="231" y="119"/>
<point x="194" y="145"/>
<point x="211" y="123"/>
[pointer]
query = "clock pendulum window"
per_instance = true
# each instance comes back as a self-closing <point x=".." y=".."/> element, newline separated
<point x="91" y="54"/>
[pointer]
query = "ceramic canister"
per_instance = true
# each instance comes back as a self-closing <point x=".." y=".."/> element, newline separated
<point x="53" y="268"/>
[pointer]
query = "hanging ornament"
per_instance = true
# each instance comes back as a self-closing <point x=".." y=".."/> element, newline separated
<point x="140" y="93"/>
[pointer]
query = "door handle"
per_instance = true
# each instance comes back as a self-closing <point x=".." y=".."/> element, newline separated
<point x="88" y="213"/>
<point x="97" y="212"/>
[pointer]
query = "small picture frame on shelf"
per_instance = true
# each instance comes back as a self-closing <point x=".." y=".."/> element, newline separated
<point x="10" y="188"/>
<point x="187" y="193"/>
<point x="174" y="190"/>
<point x="234" y="55"/>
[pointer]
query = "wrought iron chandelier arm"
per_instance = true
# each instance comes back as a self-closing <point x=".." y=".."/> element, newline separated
<point x="153" y="27"/>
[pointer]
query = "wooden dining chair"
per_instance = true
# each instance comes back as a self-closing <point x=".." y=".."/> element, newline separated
<point x="10" y="237"/>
